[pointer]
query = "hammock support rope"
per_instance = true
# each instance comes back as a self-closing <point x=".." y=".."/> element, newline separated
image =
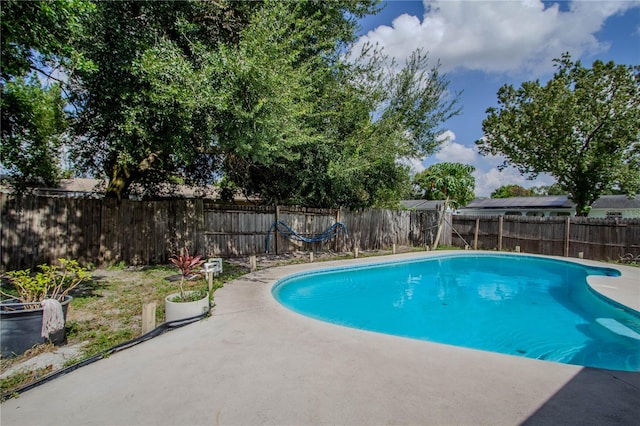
<point x="332" y="232"/>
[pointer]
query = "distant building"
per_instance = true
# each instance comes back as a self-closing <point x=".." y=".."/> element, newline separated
<point x="619" y="206"/>
<point x="95" y="188"/>
<point x="616" y="206"/>
<point x="556" y="205"/>
<point x="423" y="205"/>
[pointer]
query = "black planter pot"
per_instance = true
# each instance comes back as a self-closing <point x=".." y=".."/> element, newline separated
<point x="20" y="328"/>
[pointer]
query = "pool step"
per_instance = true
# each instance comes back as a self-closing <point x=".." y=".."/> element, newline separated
<point x="618" y="328"/>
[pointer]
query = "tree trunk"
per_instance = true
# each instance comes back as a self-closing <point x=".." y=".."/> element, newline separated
<point x="119" y="182"/>
<point x="441" y="223"/>
<point x="583" y="210"/>
<point x="122" y="176"/>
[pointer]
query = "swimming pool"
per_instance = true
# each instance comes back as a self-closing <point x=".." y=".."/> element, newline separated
<point x="514" y="304"/>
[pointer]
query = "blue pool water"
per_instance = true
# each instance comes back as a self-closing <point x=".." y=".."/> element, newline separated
<point x="519" y="305"/>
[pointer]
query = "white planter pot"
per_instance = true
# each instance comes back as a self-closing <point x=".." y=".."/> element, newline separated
<point x="175" y="311"/>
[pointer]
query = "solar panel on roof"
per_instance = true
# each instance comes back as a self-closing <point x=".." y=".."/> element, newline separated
<point x="523" y="202"/>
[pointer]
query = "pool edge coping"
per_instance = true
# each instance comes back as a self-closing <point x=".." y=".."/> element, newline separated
<point x="622" y="290"/>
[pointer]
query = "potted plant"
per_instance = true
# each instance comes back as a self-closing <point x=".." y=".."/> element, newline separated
<point x="36" y="313"/>
<point x="191" y="303"/>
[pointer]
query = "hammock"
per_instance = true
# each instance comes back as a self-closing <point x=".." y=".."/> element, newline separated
<point x="284" y="229"/>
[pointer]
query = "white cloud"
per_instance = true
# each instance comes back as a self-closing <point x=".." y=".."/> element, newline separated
<point x="415" y="165"/>
<point x="488" y="181"/>
<point x="454" y="152"/>
<point x="498" y="36"/>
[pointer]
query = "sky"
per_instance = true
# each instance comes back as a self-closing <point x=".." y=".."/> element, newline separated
<point x="484" y="44"/>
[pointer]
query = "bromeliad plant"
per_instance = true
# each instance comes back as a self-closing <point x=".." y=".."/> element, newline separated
<point x="186" y="264"/>
<point x="50" y="282"/>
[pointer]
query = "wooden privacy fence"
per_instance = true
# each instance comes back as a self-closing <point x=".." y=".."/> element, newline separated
<point x="40" y="229"/>
<point x="597" y="239"/>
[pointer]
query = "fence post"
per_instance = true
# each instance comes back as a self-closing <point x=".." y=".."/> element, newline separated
<point x="148" y="317"/>
<point x="275" y="229"/>
<point x="566" y="237"/>
<point x="475" y="235"/>
<point x="337" y="242"/>
<point x="500" y="233"/>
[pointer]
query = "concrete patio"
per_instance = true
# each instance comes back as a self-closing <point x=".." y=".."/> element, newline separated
<point x="254" y="362"/>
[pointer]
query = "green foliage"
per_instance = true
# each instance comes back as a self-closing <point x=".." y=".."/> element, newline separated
<point x="37" y="40"/>
<point x="543" y="190"/>
<point x="507" y="191"/>
<point x="258" y="94"/>
<point x="582" y="127"/>
<point x="148" y="115"/>
<point x="33" y="123"/>
<point x="52" y="281"/>
<point x="416" y="103"/>
<point x="356" y="120"/>
<point x="269" y="103"/>
<point x="40" y="35"/>
<point x="446" y="180"/>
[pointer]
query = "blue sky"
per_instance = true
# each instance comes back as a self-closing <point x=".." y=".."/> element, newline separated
<point x="483" y="44"/>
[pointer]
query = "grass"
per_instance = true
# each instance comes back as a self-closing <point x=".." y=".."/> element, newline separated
<point x="107" y="311"/>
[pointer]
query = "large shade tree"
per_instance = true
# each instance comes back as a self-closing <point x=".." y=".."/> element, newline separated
<point x="582" y="127"/>
<point x="343" y="157"/>
<point x="288" y="49"/>
<point x="362" y="121"/>
<point x="191" y="91"/>
<point x="145" y="114"/>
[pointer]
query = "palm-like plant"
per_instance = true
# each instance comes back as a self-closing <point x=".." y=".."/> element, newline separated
<point x="186" y="263"/>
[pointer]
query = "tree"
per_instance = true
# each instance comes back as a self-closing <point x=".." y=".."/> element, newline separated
<point x="39" y="36"/>
<point x="544" y="190"/>
<point x="344" y="157"/>
<point x="173" y="101"/>
<point x="507" y="191"/>
<point x="452" y="181"/>
<point x="32" y="123"/>
<point x="37" y="55"/>
<point x="148" y="113"/>
<point x="582" y="127"/>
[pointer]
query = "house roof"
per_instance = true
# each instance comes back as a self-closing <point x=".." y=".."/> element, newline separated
<point x="616" y="202"/>
<point x="95" y="188"/>
<point x="553" y="201"/>
<point x="422" y="204"/>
